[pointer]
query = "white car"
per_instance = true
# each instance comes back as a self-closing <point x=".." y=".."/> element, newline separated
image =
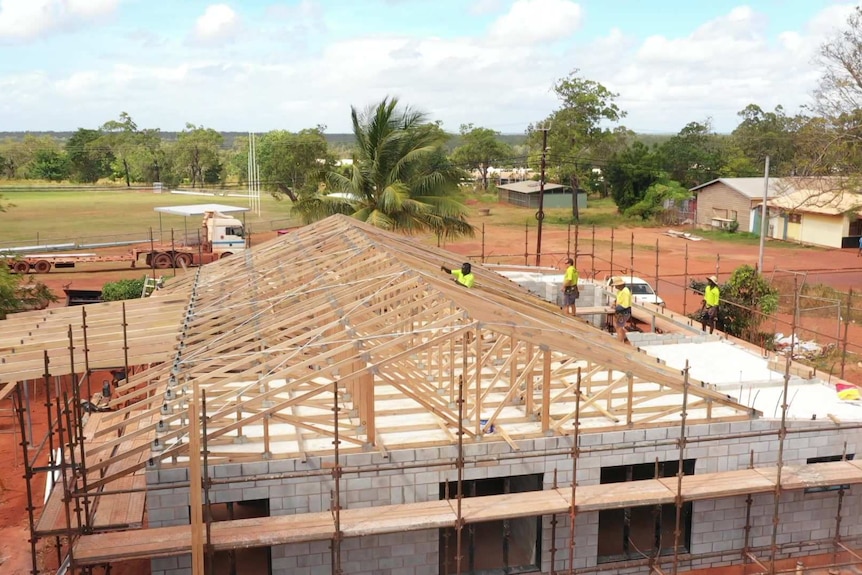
<point x="642" y="291"/>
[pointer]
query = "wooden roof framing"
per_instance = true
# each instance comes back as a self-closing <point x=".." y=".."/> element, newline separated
<point x="270" y="335"/>
<point x="150" y="335"/>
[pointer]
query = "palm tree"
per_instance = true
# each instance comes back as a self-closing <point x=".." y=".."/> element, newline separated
<point x="400" y="180"/>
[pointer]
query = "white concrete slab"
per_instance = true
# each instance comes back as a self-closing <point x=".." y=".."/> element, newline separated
<point x="746" y="377"/>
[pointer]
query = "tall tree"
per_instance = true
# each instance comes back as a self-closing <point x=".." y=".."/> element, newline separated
<point x="400" y="179"/>
<point x="50" y="165"/>
<point x="579" y="135"/>
<point x="88" y="159"/>
<point x="148" y="156"/>
<point x="839" y="101"/>
<point x="8" y="158"/>
<point x="840" y="89"/>
<point x="630" y="174"/>
<point x="293" y="164"/>
<point x="236" y="166"/>
<point x="121" y="137"/>
<point x="694" y="155"/>
<point x="479" y="149"/>
<point x="772" y="134"/>
<point x="198" y="154"/>
<point x="579" y="128"/>
<point x="20" y="154"/>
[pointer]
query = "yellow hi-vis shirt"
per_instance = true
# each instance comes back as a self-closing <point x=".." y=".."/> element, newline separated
<point x="624" y="297"/>
<point x="710" y="294"/>
<point x="466" y="280"/>
<point x="571" y="277"/>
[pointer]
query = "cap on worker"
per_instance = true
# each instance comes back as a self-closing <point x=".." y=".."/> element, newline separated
<point x="618" y="281"/>
<point x="713" y="279"/>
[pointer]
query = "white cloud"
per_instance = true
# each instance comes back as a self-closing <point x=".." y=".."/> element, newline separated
<point x="537" y="21"/>
<point x="713" y="71"/>
<point x="91" y="8"/>
<point x="218" y="24"/>
<point x="482" y="7"/>
<point x="664" y="82"/>
<point x="28" y="19"/>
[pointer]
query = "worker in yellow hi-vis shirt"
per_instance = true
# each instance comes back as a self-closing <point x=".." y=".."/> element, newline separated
<point x="709" y="307"/>
<point x="570" y="287"/>
<point x="623" y="309"/>
<point x="464" y="276"/>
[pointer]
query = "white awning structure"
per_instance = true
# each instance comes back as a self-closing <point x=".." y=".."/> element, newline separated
<point x="199" y="209"/>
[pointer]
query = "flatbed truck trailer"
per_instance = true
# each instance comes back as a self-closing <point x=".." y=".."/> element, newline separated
<point x="223" y="236"/>
<point x="157" y="258"/>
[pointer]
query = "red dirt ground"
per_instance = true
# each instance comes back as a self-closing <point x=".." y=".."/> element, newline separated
<point x="839" y="268"/>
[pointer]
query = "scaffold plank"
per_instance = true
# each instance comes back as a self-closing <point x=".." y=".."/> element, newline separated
<point x="721" y="484"/>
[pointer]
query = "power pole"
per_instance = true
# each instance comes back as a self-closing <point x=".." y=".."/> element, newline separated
<point x="764" y="211"/>
<point x="540" y="215"/>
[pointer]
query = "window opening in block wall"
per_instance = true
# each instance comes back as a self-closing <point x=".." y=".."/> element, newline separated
<point x="493" y="547"/>
<point x="253" y="561"/>
<point x="828" y="459"/>
<point x="645" y="531"/>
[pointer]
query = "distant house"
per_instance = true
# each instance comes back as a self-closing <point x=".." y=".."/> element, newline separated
<point x="725" y="200"/>
<point x="498" y="176"/>
<point x="829" y="213"/>
<point x="526" y="194"/>
<point x="814" y="213"/>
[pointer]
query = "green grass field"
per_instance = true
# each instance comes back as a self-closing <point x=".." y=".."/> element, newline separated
<point x="104" y="215"/>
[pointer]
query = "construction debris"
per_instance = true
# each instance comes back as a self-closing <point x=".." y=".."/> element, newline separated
<point x="683" y="235"/>
<point x="801" y="349"/>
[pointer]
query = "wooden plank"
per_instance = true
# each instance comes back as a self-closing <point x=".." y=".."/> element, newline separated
<point x="195" y="486"/>
<point x="620" y="495"/>
<point x="7" y="389"/>
<point x="123" y="545"/>
<point x="266" y="531"/>
<point x="396" y="518"/>
<point x="722" y="484"/>
<point x="817" y="475"/>
<point x="511" y="505"/>
<point x="594" y="310"/>
<point x="176" y="540"/>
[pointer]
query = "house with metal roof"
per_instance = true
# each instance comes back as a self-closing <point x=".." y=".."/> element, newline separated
<point x="526" y="194"/>
<point x="828" y="208"/>
<point x="725" y="200"/>
<point x="817" y="214"/>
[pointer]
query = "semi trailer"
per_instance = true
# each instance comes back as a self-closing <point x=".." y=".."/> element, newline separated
<point x="221" y="236"/>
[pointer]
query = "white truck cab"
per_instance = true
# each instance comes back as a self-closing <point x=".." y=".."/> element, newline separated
<point x="224" y="233"/>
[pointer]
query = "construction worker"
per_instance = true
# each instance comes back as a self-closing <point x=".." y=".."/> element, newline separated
<point x="709" y="306"/>
<point x="464" y="276"/>
<point x="570" y="287"/>
<point x="623" y="309"/>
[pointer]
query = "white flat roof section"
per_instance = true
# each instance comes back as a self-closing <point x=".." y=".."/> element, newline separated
<point x="199" y="209"/>
<point x="746" y="377"/>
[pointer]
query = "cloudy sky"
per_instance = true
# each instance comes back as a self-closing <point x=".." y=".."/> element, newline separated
<point x="258" y="65"/>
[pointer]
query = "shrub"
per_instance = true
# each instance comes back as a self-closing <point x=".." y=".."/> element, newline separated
<point x="123" y="289"/>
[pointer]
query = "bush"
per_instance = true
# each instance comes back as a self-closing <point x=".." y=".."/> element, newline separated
<point x="123" y="289"/>
<point x="20" y="294"/>
<point x="746" y="299"/>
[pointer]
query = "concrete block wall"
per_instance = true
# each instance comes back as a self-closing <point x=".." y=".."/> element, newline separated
<point x="641" y="339"/>
<point x="716" y="525"/>
<point x="590" y="294"/>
